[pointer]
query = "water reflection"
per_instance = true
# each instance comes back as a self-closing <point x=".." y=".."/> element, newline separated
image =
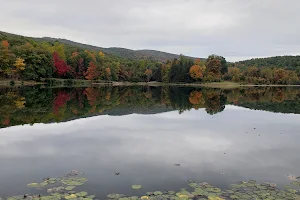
<point x="46" y="105"/>
<point x="144" y="149"/>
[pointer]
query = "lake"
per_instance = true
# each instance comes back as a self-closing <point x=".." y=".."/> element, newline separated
<point x="156" y="137"/>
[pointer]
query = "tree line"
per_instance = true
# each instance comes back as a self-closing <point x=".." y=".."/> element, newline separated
<point x="26" y="59"/>
<point x="286" y="62"/>
<point x="46" y="105"/>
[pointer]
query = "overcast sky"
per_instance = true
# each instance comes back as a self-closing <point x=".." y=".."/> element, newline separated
<point x="236" y="29"/>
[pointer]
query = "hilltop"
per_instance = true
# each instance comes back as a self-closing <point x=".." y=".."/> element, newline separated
<point x="285" y="62"/>
<point x="120" y="52"/>
<point x="114" y="51"/>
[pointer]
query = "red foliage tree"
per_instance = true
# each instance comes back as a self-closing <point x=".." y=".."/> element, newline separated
<point x="6" y="122"/>
<point x="61" y="67"/>
<point x="60" y="100"/>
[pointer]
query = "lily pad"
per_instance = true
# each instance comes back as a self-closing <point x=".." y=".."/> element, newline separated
<point x="157" y="193"/>
<point x="136" y="187"/>
<point x="215" y="198"/>
<point x="81" y="194"/>
<point x="43" y="184"/>
<point x="70" y="188"/>
<point x="115" y="196"/>
<point x="194" y="185"/>
<point x="91" y="197"/>
<point x="241" y="190"/>
<point x="33" y="185"/>
<point x="72" y="196"/>
<point x="74" y="181"/>
<point x="15" y="198"/>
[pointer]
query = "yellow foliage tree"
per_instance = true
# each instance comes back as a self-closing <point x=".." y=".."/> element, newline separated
<point x="20" y="102"/>
<point x="19" y="64"/>
<point x="101" y="54"/>
<point x="234" y="71"/>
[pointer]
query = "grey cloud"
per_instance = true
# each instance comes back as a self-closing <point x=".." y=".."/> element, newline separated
<point x="233" y="28"/>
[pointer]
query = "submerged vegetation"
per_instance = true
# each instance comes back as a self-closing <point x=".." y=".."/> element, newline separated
<point x="24" y="58"/>
<point x="66" y="187"/>
<point x="29" y="105"/>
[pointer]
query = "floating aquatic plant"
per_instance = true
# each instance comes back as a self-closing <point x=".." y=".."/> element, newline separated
<point x="81" y="194"/>
<point x="33" y="185"/>
<point x="74" y="181"/>
<point x="65" y="188"/>
<point x="136" y="187"/>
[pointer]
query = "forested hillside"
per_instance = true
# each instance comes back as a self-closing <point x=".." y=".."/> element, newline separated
<point x="121" y="52"/>
<point x="115" y="51"/>
<point x="39" y="59"/>
<point x="286" y="62"/>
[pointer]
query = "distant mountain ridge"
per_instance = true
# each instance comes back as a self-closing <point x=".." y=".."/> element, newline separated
<point x="114" y="51"/>
<point x="119" y="51"/>
<point x="285" y="62"/>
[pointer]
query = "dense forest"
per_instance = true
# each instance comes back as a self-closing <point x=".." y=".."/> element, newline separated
<point x="41" y="59"/>
<point x="29" y="105"/>
<point x="116" y="51"/>
<point x="286" y="62"/>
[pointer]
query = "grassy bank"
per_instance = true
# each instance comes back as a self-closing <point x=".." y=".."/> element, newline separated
<point x="86" y="83"/>
<point x="19" y="83"/>
<point x="212" y="85"/>
<point x="225" y="84"/>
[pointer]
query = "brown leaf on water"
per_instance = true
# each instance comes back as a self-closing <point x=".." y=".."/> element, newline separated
<point x="292" y="178"/>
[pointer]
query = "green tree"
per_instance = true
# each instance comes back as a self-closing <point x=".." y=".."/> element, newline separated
<point x="7" y="58"/>
<point x="267" y="73"/>
<point x="39" y="62"/>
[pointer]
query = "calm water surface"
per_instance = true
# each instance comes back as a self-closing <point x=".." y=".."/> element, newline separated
<point x="215" y="135"/>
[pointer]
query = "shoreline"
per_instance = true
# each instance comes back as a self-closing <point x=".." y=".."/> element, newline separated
<point x="20" y="83"/>
<point x="229" y="85"/>
<point x="224" y="85"/>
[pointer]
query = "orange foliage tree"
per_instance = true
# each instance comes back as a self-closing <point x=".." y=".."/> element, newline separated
<point x="148" y="73"/>
<point x="198" y="61"/>
<point x="196" y="99"/>
<point x="91" y="94"/>
<point x="196" y="72"/>
<point x="5" y="43"/>
<point x="91" y="72"/>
